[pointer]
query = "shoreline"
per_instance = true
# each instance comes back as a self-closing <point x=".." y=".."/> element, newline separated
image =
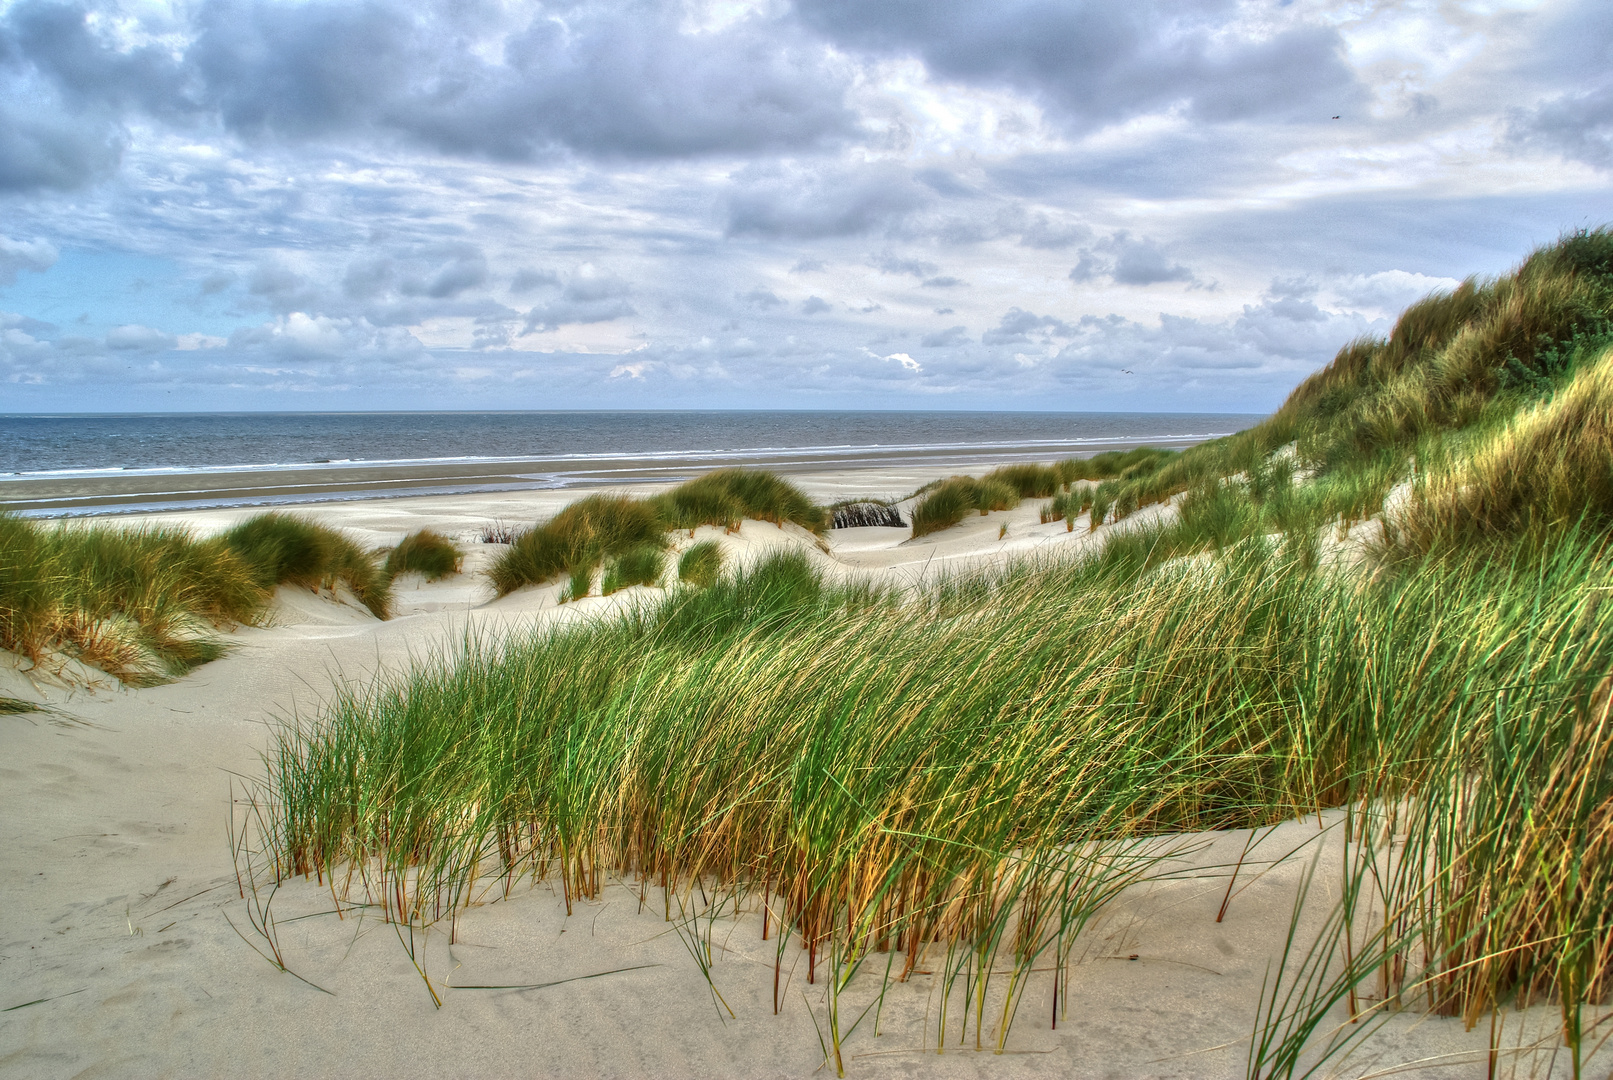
<point x="153" y="491"/>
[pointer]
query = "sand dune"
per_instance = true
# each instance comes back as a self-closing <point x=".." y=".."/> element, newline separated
<point x="127" y="950"/>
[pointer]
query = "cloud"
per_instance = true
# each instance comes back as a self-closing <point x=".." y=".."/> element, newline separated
<point x="1125" y="260"/>
<point x="15" y="255"/>
<point x="53" y="149"/>
<point x="527" y="279"/>
<point x="942" y="339"/>
<point x="803" y="204"/>
<point x="299" y="336"/>
<point x="890" y="263"/>
<point x="140" y="338"/>
<point x="1096" y="64"/>
<point x="1577" y="125"/>
<point x="1018" y="325"/>
<point x="761" y="298"/>
<point x="943" y="282"/>
<point x="814" y="305"/>
<point x="588" y="295"/>
<point x="907" y="362"/>
<point x="1389" y="291"/>
<point x="615" y="80"/>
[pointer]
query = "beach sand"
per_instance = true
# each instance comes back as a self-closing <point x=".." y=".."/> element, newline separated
<point x="127" y="950"/>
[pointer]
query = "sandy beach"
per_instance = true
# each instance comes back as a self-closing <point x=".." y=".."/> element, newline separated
<point x="128" y="949"/>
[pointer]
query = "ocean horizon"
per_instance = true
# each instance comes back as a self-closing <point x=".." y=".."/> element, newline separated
<point x="58" y="443"/>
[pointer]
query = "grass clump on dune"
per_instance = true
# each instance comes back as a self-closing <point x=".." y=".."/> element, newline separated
<point x="577" y="539"/>
<point x="701" y="564"/>
<point x="141" y="603"/>
<point x="948" y="502"/>
<point x="284" y="549"/>
<point x="945" y="503"/>
<point x="601" y="527"/>
<point x="424" y="552"/>
<point x="1546" y="469"/>
<point x="642" y="565"/>
<point x="728" y="496"/>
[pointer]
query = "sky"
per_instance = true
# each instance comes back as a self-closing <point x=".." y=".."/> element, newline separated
<point x="1138" y="205"/>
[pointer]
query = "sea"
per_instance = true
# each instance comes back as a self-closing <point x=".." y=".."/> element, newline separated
<point x="528" y="449"/>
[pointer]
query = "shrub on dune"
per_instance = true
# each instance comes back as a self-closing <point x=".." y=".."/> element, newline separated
<point x="424" y="552"/>
<point x="861" y="513"/>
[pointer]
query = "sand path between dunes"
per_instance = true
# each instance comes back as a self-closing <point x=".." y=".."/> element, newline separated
<point x="120" y="953"/>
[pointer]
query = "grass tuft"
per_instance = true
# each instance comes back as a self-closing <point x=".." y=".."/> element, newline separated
<point x="601" y="527"/>
<point x="948" y="502"/>
<point x="424" y="552"/>
<point x="701" y="564"/>
<point x="141" y="603"/>
<point x="642" y="565"/>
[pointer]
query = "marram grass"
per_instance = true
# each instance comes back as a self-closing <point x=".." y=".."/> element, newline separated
<point x="602" y="527"/>
<point x="926" y="783"/>
<point x="142" y="603"/>
<point x="424" y="552"/>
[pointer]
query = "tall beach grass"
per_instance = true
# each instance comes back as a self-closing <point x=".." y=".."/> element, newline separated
<point x="597" y="528"/>
<point x="142" y="603"/>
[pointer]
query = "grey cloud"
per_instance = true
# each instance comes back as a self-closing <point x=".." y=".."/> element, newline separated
<point x="1128" y="261"/>
<point x="610" y="79"/>
<point x="1042" y="232"/>
<point x="1389" y="290"/>
<point x="588" y="296"/>
<point x="1100" y="62"/>
<point x="1271" y="344"/>
<point x="369" y="278"/>
<point x="943" y="282"/>
<point x="1576" y="125"/>
<point x="216" y="282"/>
<point x="834" y="202"/>
<point x="1018" y="325"/>
<point x="941" y="339"/>
<point x="761" y="298"/>
<point x="889" y="263"/>
<point x="135" y="337"/>
<point x="54" y="149"/>
<point x="814" y="305"/>
<point x="462" y="267"/>
<point x="299" y="337"/>
<point x="282" y="289"/>
<point x="15" y="255"/>
<point x="527" y="279"/>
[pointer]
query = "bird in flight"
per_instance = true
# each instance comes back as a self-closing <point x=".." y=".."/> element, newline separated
<point x="1126" y="371"/>
<point x="1337" y="118"/>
